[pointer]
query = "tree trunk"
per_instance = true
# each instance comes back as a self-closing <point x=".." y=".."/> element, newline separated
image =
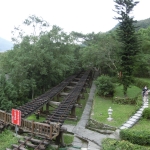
<point x="125" y="90"/>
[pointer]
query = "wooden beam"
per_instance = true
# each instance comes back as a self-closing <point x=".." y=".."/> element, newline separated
<point x="77" y="79"/>
<point x="58" y="103"/>
<point x="54" y="103"/>
<point x="27" y="143"/>
<point x="63" y="94"/>
<point x="20" y="147"/>
<point x="36" y="140"/>
<point x="69" y="87"/>
<point x="74" y="82"/>
<point x="77" y="105"/>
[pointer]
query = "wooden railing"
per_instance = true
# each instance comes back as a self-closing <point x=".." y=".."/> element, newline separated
<point x="50" y="131"/>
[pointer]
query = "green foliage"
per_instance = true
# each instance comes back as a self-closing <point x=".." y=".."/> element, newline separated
<point x="125" y="100"/>
<point x="136" y="101"/>
<point x="113" y="144"/>
<point x="133" y="91"/>
<point x="40" y="60"/>
<point x="136" y="136"/>
<point x="142" y="124"/>
<point x="99" y="127"/>
<point x="6" y="139"/>
<point x="142" y="66"/>
<point x="68" y="139"/>
<point x="129" y="42"/>
<point x="146" y="113"/>
<point x="101" y="55"/>
<point x="141" y="83"/>
<point x="141" y="24"/>
<point x="33" y="118"/>
<point x="104" y="85"/>
<point x="8" y="94"/>
<point x="119" y="114"/>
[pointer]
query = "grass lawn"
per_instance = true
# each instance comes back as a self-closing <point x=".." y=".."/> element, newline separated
<point x="147" y="80"/>
<point x="33" y="118"/>
<point x="120" y="114"/>
<point x="132" y="91"/>
<point x="141" y="125"/>
<point x="68" y="139"/>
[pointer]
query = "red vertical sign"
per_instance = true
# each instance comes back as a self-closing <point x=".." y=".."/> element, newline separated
<point x="16" y="117"/>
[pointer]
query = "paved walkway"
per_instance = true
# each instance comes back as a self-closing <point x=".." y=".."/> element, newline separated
<point x="133" y="120"/>
<point x="92" y="140"/>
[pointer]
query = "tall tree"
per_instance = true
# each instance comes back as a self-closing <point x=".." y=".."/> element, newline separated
<point x="8" y="93"/>
<point x="99" y="51"/>
<point x="129" y="41"/>
<point x="144" y="61"/>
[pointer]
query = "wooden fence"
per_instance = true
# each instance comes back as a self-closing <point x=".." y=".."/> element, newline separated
<point x="50" y="131"/>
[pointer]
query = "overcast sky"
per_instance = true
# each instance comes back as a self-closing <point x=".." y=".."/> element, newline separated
<point x="84" y="16"/>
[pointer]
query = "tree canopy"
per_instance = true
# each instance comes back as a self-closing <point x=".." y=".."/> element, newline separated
<point x="43" y="58"/>
<point x="129" y="48"/>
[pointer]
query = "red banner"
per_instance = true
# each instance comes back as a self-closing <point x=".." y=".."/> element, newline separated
<point x="16" y="117"/>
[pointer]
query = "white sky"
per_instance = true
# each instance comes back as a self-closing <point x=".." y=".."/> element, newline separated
<point x="83" y="16"/>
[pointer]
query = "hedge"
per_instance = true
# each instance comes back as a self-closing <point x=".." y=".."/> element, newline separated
<point x="135" y="136"/>
<point x="146" y="113"/>
<point x="113" y="144"/>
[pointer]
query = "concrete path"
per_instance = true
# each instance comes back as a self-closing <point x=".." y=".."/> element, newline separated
<point x="92" y="140"/>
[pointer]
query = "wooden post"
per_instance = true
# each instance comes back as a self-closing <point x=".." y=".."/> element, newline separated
<point x="41" y="110"/>
<point x="83" y="97"/>
<point x="47" y="107"/>
<point x="78" y="100"/>
<point x="58" y="97"/>
<point x="5" y="117"/>
<point x="60" y="139"/>
<point x="73" y="112"/>
<point x="51" y="130"/>
<point x="32" y="127"/>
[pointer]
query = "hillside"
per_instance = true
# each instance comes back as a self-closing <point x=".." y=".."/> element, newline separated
<point x="5" y="45"/>
<point x="140" y="24"/>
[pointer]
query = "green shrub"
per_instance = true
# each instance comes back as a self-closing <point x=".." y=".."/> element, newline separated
<point x="146" y="113"/>
<point x="135" y="136"/>
<point x="104" y="85"/>
<point x="140" y="83"/>
<point x="124" y="100"/>
<point x="113" y="144"/>
<point x="131" y="101"/>
<point x="7" y="139"/>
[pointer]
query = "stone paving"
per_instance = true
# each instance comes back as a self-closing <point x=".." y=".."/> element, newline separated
<point x="132" y="120"/>
<point x="92" y="140"/>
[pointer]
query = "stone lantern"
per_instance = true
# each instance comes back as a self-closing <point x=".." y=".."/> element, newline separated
<point x="110" y="113"/>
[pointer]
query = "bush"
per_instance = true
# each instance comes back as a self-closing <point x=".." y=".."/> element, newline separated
<point x="112" y="144"/>
<point x="131" y="101"/>
<point x="104" y="85"/>
<point x="146" y="113"/>
<point x="135" y="136"/>
<point x="124" y="100"/>
<point x="140" y="83"/>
